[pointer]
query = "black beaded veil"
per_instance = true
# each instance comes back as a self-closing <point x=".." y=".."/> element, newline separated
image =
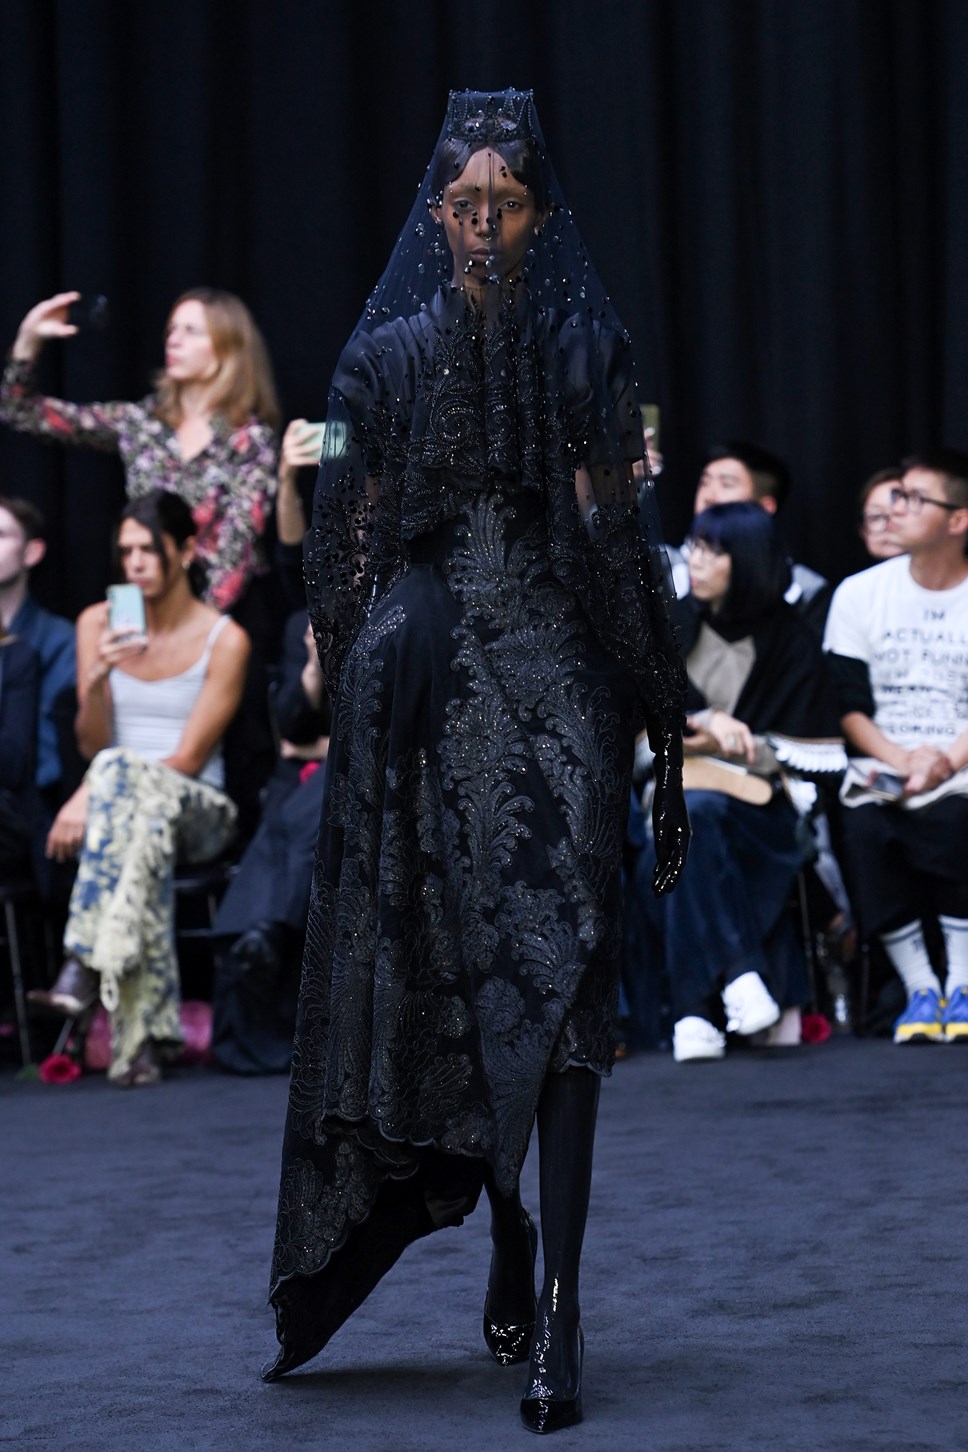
<point x="448" y="386"/>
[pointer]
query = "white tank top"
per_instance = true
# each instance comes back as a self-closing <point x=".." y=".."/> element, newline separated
<point x="150" y="716"/>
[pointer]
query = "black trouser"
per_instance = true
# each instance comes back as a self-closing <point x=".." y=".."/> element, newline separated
<point x="901" y="863"/>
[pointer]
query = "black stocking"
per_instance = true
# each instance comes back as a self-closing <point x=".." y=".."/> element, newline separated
<point x="510" y="1283"/>
<point x="567" y="1111"/>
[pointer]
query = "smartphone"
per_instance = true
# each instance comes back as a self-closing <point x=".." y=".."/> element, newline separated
<point x="89" y="313"/>
<point x="126" y="610"/>
<point x="886" y="784"/>
<point x="312" y="436"/>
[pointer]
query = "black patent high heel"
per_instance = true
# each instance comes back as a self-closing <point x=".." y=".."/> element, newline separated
<point x="540" y="1410"/>
<point x="510" y="1345"/>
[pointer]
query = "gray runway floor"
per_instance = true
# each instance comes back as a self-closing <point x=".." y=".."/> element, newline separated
<point x="776" y="1258"/>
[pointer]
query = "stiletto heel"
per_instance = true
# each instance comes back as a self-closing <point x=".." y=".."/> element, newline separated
<point x="544" y="1412"/>
<point x="510" y="1345"/>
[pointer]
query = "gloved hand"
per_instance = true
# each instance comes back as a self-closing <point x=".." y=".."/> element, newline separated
<point x="670" y="821"/>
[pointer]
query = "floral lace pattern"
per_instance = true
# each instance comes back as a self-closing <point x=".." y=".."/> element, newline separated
<point x="492" y="636"/>
<point x="464" y="926"/>
<point x="229" y="485"/>
<point x="429" y="408"/>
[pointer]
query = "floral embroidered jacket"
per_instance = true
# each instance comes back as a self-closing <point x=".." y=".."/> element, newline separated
<point x="229" y="485"/>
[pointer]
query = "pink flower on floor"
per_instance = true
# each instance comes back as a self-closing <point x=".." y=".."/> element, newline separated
<point x="59" y="1069"/>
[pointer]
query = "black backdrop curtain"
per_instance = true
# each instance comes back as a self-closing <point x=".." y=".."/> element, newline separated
<point x="776" y="192"/>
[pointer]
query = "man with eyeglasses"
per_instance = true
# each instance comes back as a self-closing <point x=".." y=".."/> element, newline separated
<point x="897" y="635"/>
<point x="736" y="472"/>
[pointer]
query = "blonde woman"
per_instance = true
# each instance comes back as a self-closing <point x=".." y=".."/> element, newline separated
<point x="206" y="433"/>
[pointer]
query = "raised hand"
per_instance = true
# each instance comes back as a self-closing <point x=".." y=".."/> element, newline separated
<point x="47" y="319"/>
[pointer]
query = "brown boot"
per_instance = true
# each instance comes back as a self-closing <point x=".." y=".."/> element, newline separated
<point x="75" y="991"/>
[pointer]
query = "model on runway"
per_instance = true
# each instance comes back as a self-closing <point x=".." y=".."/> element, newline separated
<point x="493" y="631"/>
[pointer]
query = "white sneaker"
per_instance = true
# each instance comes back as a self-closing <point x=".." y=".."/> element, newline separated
<point x="697" y="1038"/>
<point x="748" y="1005"/>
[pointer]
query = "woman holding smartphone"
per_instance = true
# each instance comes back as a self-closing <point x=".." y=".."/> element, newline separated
<point x="207" y="432"/>
<point x="155" y="700"/>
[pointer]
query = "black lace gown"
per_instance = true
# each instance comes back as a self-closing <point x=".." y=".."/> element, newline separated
<point x="465" y="921"/>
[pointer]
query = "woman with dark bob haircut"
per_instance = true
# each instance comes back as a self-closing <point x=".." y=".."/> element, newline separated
<point x="753" y="667"/>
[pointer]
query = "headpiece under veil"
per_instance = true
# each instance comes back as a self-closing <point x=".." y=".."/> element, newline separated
<point x="444" y="390"/>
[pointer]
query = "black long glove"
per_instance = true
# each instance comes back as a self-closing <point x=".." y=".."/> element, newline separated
<point x="670" y="821"/>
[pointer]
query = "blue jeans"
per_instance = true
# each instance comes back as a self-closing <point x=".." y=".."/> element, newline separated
<point x="728" y="915"/>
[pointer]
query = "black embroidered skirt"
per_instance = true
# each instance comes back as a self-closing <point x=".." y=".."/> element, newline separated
<point x="464" y="929"/>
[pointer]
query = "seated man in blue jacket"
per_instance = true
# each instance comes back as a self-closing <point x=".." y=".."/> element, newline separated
<point x="22" y="547"/>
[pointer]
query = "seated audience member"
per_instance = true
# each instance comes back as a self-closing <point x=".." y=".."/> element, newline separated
<point x="22" y="547"/>
<point x="827" y="892"/>
<point x="19" y="808"/>
<point x="898" y="642"/>
<point x="267" y="904"/>
<point x="738" y="472"/>
<point x="754" y="667"/>
<point x="206" y="432"/>
<point x="152" y="712"/>
<point x="876" y="516"/>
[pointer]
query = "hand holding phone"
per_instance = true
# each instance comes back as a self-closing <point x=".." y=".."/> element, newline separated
<point x="311" y="440"/>
<point x="89" y="313"/>
<point x="650" y="429"/>
<point x="302" y="444"/>
<point x="126" y="612"/>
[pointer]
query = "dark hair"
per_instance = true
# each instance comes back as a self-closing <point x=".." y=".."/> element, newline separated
<point x="951" y="464"/>
<point x="522" y="158"/>
<point x="760" y="574"/>
<point x="882" y="476"/>
<point x="27" y="515"/>
<point x="770" y="475"/>
<point x="163" y="513"/>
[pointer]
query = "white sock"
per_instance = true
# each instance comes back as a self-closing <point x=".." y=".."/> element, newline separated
<point x="909" y="955"/>
<point x="956" y="951"/>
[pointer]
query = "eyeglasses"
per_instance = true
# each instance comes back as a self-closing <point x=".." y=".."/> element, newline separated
<point x="702" y="549"/>
<point x="876" y="519"/>
<point x="915" y="502"/>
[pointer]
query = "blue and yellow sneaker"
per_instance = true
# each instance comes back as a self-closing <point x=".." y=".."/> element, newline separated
<point x="954" y="1017"/>
<point x="920" y="1023"/>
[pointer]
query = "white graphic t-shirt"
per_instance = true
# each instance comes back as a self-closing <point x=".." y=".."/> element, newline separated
<point x="915" y="645"/>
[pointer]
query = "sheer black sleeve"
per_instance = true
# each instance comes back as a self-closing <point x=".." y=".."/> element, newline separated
<point x="602" y="538"/>
<point x="352" y="548"/>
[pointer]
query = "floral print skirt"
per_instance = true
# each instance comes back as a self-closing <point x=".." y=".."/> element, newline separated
<point x="142" y="818"/>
